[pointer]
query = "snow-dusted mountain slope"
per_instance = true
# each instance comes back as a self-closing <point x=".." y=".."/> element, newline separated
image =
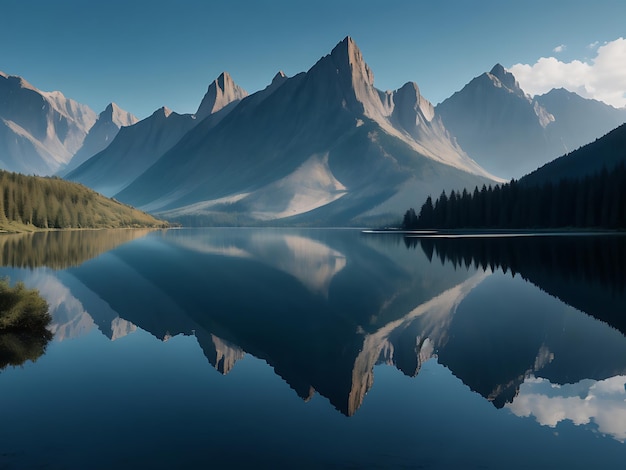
<point x="39" y="131"/>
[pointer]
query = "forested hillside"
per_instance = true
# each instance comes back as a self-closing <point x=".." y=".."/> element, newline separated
<point x="32" y="202"/>
<point x="597" y="201"/>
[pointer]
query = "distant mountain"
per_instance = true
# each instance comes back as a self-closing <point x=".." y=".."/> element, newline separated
<point x="101" y="135"/>
<point x="39" y="131"/>
<point x="137" y="147"/>
<point x="577" y="120"/>
<point x="511" y="134"/>
<point x="605" y="153"/>
<point x="134" y="149"/>
<point x="322" y="147"/>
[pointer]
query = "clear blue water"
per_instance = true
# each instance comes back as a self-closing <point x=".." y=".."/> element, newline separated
<point x="230" y="348"/>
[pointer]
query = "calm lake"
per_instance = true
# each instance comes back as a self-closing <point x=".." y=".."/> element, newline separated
<point x="215" y="348"/>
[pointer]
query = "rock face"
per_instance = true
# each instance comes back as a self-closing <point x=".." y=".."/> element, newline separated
<point x="39" y="131"/>
<point x="222" y="92"/>
<point x="511" y="134"/>
<point x="109" y="123"/>
<point x="321" y="147"/>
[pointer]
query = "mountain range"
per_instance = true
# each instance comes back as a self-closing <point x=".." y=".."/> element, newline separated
<point x="138" y="147"/>
<point x="511" y="134"/>
<point x="324" y="147"/>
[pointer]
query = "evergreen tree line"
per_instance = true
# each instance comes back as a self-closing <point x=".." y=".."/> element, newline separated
<point x="56" y="203"/>
<point x="597" y="201"/>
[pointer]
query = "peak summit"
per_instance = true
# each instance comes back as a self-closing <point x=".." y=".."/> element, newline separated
<point x="222" y="91"/>
<point x="498" y="70"/>
<point x="163" y="111"/>
<point x="279" y="77"/>
<point x="224" y="80"/>
<point x="505" y="77"/>
<point x="348" y="53"/>
<point x="113" y="113"/>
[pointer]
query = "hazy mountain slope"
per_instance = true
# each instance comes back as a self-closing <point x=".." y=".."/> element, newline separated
<point x="498" y="124"/>
<point x="134" y="149"/>
<point x="510" y="134"/>
<point x="327" y="135"/>
<point x="137" y="147"/>
<point x="606" y="152"/>
<point x="577" y="120"/>
<point x="101" y="135"/>
<point x="39" y="131"/>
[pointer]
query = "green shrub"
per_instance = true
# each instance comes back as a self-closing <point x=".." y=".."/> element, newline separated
<point x="22" y="309"/>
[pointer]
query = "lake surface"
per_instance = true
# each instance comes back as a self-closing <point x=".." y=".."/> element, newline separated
<point x="214" y="348"/>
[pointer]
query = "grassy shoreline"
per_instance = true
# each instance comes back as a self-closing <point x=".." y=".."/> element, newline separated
<point x="15" y="227"/>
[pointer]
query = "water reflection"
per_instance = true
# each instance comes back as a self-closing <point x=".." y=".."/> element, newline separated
<point x="60" y="249"/>
<point x="16" y="349"/>
<point x="323" y="308"/>
<point x="585" y="271"/>
<point x="24" y="317"/>
<point x="311" y="262"/>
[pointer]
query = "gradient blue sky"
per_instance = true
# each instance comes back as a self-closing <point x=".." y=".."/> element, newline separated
<point x="147" y="54"/>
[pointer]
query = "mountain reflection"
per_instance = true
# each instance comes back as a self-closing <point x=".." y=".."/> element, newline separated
<point x="313" y="263"/>
<point x="323" y="308"/>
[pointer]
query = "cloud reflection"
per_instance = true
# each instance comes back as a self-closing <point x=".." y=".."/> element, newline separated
<point x="588" y="401"/>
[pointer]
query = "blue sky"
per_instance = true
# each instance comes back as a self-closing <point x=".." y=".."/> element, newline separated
<point x="147" y="54"/>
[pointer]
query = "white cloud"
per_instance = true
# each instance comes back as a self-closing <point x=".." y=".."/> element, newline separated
<point x="559" y="48"/>
<point x="602" y="78"/>
<point x="593" y="45"/>
<point x="601" y="402"/>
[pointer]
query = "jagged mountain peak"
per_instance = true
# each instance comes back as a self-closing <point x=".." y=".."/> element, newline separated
<point x="279" y="77"/>
<point x="408" y="95"/>
<point x="498" y="70"/>
<point x="224" y="80"/>
<point x="221" y="92"/>
<point x="116" y="115"/>
<point x="163" y="111"/>
<point x="348" y="58"/>
<point x="506" y="78"/>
